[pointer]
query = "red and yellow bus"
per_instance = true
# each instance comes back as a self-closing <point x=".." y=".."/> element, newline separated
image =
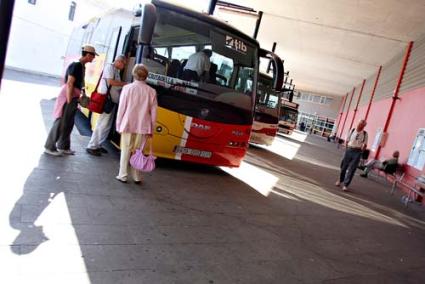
<point x="288" y="116"/>
<point x="203" y="122"/>
<point x="267" y="108"/>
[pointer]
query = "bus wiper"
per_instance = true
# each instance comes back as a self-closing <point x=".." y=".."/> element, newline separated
<point x="178" y="86"/>
<point x="171" y="83"/>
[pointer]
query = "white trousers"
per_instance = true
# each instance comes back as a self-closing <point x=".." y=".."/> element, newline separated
<point x="129" y="143"/>
<point x="101" y="131"/>
<point x="373" y="164"/>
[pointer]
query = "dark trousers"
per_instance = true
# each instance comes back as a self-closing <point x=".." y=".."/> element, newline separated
<point x="349" y="165"/>
<point x="60" y="133"/>
<point x="190" y="75"/>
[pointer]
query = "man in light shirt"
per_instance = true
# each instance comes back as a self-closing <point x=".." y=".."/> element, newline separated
<point x="355" y="143"/>
<point x="111" y="80"/>
<point x="198" y="66"/>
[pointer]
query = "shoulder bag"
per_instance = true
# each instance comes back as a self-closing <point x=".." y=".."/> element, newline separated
<point x="109" y="104"/>
<point x="100" y="103"/>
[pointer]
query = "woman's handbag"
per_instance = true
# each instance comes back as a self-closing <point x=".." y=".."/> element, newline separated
<point x="141" y="162"/>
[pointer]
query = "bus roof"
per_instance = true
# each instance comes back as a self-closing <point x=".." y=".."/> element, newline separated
<point x="206" y="18"/>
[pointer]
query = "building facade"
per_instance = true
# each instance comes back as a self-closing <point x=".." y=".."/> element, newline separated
<point x="317" y="112"/>
<point x="40" y="33"/>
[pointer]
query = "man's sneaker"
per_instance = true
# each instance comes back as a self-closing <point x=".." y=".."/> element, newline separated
<point x="338" y="183"/>
<point x="344" y="188"/>
<point x="52" y="153"/>
<point x="93" y="152"/>
<point x="123" y="180"/>
<point x="67" y="151"/>
<point x="102" y="150"/>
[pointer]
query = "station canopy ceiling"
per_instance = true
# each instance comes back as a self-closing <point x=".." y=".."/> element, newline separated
<point x="330" y="46"/>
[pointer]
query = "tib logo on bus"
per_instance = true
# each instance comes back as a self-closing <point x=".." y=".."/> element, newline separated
<point x="236" y="44"/>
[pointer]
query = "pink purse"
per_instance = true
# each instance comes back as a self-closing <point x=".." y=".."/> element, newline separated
<point x="141" y="162"/>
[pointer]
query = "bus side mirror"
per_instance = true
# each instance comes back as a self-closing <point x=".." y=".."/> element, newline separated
<point x="278" y="70"/>
<point x="147" y="24"/>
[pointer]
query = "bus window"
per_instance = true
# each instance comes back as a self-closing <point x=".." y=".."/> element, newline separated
<point x="244" y="81"/>
<point x="272" y="101"/>
<point x="162" y="51"/>
<point x="182" y="52"/>
<point x="224" y="69"/>
<point x="113" y="43"/>
<point x="228" y="96"/>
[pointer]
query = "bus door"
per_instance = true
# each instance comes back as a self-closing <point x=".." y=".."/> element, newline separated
<point x="115" y="42"/>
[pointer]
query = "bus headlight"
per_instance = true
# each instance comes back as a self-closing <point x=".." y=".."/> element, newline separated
<point x="236" y="144"/>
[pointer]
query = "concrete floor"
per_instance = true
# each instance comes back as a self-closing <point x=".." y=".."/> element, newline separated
<point x="277" y="219"/>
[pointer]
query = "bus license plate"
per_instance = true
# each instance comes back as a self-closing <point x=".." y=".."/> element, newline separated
<point x="192" y="152"/>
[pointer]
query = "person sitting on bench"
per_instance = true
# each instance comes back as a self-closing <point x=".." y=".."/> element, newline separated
<point x="387" y="166"/>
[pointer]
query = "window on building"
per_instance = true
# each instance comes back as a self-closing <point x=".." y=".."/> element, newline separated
<point x="72" y="9"/>
<point x="417" y="153"/>
<point x="329" y="101"/>
<point x="33" y="2"/>
<point x="316" y="99"/>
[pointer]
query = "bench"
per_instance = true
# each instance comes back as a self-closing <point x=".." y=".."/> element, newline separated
<point x="390" y="170"/>
<point x="414" y="191"/>
<point x="395" y="173"/>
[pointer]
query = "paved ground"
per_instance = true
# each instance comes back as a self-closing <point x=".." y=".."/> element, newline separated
<point x="277" y="219"/>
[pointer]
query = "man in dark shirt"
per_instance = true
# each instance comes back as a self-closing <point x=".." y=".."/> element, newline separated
<point x="59" y="139"/>
<point x="375" y="164"/>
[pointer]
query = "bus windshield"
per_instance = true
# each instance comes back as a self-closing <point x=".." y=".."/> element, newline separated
<point x="289" y="115"/>
<point x="266" y="96"/>
<point x="223" y="94"/>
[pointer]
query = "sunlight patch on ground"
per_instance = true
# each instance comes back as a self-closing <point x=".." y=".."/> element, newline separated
<point x="411" y="221"/>
<point x="316" y="194"/>
<point x="301" y="188"/>
<point x="296" y="135"/>
<point x="255" y="177"/>
<point x="283" y="148"/>
<point x="22" y="144"/>
<point x="311" y="160"/>
<point x="23" y="129"/>
<point x="283" y="194"/>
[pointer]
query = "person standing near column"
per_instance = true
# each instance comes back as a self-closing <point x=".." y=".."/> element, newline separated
<point x="355" y="143"/>
<point x="59" y="139"/>
<point x="136" y="117"/>
<point x="111" y="79"/>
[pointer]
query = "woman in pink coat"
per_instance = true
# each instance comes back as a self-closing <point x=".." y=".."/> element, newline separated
<point x="136" y="118"/>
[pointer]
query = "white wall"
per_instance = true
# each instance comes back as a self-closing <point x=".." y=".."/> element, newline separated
<point x="323" y="110"/>
<point x="39" y="33"/>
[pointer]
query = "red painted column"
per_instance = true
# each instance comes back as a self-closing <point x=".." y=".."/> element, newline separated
<point x="340" y="112"/>
<point x="348" y="110"/>
<point x="373" y="92"/>
<point x="396" y="91"/>
<point x="357" y="105"/>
